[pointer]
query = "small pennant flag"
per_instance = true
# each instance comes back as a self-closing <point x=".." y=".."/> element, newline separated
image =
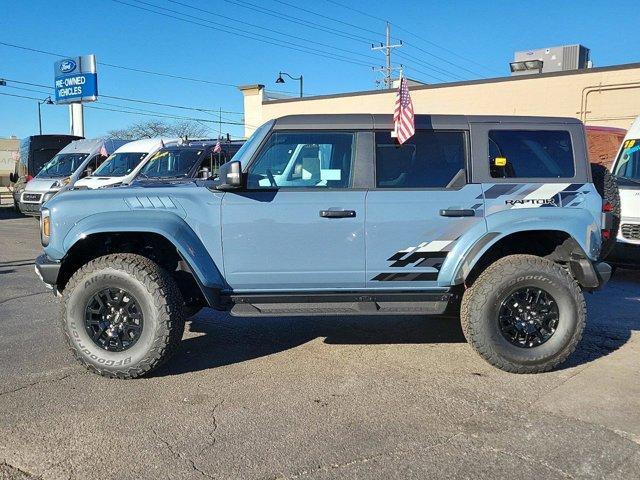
<point x="403" y="119"/>
<point x="218" y="147"/>
<point x="103" y="151"/>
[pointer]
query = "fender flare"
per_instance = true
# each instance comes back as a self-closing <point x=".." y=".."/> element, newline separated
<point x="168" y="225"/>
<point x="584" y="244"/>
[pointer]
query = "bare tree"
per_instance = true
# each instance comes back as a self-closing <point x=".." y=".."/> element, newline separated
<point x="160" y="128"/>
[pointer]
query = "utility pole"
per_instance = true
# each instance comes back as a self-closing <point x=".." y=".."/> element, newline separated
<point x="388" y="68"/>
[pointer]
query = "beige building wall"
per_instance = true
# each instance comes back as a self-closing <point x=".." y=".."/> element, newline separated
<point x="607" y="96"/>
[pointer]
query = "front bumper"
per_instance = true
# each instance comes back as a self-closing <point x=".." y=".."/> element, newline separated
<point x="32" y="209"/>
<point x="47" y="270"/>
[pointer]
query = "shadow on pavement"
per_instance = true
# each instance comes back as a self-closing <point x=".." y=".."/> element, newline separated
<point x="228" y="340"/>
<point x="7" y="212"/>
<point x="613" y="314"/>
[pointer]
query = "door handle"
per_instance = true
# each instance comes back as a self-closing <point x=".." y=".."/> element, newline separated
<point x="453" y="212"/>
<point x="337" y="213"/>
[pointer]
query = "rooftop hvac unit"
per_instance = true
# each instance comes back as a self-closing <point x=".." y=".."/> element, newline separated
<point x="554" y="59"/>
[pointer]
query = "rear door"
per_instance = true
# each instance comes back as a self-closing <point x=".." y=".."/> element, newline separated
<point x="420" y="206"/>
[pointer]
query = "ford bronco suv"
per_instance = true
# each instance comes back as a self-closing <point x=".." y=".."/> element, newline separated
<point x="496" y="218"/>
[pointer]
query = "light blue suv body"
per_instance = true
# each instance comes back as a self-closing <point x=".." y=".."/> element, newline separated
<point x="326" y="214"/>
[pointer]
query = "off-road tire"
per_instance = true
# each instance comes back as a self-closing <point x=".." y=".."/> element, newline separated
<point x="481" y="303"/>
<point x="607" y="187"/>
<point x="160" y="302"/>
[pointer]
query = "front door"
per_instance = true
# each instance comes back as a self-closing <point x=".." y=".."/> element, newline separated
<point x="299" y="225"/>
<point x="419" y="209"/>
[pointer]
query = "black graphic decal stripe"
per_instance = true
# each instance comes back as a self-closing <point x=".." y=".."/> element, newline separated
<point x="419" y="256"/>
<point x="407" y="277"/>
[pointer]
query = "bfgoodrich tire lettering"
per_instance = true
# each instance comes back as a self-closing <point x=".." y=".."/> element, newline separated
<point x="159" y="300"/>
<point x="481" y="303"/>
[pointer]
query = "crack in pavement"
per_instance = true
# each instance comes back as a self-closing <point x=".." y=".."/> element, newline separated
<point x="178" y="455"/>
<point x="22" y="472"/>
<point x="527" y="459"/>
<point x="23" y="296"/>
<point x="48" y="380"/>
<point x="361" y="460"/>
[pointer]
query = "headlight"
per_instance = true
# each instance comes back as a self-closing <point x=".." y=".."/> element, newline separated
<point x="48" y="196"/>
<point x="61" y="183"/>
<point x="45" y="226"/>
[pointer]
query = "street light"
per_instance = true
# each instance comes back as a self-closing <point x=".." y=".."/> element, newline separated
<point x="281" y="80"/>
<point x="47" y="101"/>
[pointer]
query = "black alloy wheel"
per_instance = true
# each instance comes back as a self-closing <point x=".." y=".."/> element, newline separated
<point x="113" y="319"/>
<point x="528" y="317"/>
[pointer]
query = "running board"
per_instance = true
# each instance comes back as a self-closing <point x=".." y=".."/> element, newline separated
<point x="401" y="303"/>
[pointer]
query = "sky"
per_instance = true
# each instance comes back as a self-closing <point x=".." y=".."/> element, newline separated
<point x="236" y="42"/>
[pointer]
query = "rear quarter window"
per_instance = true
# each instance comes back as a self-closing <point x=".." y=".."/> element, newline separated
<point x="531" y="154"/>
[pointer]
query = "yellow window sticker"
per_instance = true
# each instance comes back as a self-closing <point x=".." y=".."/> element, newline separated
<point x="500" y="162"/>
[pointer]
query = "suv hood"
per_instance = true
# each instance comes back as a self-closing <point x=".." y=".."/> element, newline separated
<point x="41" y="185"/>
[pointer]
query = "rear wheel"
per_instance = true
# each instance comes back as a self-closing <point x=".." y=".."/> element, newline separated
<point x="607" y="187"/>
<point x="524" y="314"/>
<point x="122" y="315"/>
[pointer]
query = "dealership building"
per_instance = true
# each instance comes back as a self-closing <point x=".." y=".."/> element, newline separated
<point x="604" y="96"/>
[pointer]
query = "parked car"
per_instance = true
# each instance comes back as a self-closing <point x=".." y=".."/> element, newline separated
<point x="123" y="165"/>
<point x="75" y="161"/>
<point x="35" y="151"/>
<point x="186" y="160"/>
<point x="327" y="214"/>
<point x="627" y="173"/>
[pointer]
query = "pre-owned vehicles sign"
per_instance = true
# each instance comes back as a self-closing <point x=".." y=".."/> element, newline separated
<point x="76" y="79"/>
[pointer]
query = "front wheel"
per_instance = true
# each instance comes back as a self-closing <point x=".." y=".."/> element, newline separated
<point x="524" y="314"/>
<point x="122" y="315"/>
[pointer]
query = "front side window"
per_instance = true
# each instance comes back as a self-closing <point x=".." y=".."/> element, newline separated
<point x="62" y="165"/>
<point x="304" y="159"/>
<point x="120" y="164"/>
<point x="628" y="164"/>
<point x="171" y="163"/>
<point x="530" y="154"/>
<point x="429" y="159"/>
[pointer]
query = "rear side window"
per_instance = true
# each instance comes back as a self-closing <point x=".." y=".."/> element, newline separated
<point x="530" y="154"/>
<point x="429" y="159"/>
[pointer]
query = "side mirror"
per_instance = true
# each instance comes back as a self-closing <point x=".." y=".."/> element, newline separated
<point x="230" y="175"/>
<point x="13" y="177"/>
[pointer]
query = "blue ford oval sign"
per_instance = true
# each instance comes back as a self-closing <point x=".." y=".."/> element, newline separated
<point x="67" y="66"/>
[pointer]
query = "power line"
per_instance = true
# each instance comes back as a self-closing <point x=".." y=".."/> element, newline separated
<point x="260" y="38"/>
<point x="333" y="19"/>
<point x="348" y="7"/>
<point x="134" y="100"/>
<point x="299" y="21"/>
<point x="218" y="15"/>
<point x="122" y="67"/>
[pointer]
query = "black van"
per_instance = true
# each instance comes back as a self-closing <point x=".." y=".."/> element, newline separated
<point x="35" y="151"/>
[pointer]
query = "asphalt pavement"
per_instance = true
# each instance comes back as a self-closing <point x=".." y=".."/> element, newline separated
<point x="312" y="398"/>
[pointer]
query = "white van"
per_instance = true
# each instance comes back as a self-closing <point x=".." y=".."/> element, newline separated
<point x="627" y="171"/>
<point x="76" y="160"/>
<point x="124" y="164"/>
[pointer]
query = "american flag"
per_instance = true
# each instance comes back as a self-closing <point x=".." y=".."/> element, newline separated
<point x="403" y="122"/>
<point x="218" y="147"/>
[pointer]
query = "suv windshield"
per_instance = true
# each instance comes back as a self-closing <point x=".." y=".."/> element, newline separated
<point x="63" y="165"/>
<point x="120" y="164"/>
<point x="628" y="164"/>
<point x="171" y="163"/>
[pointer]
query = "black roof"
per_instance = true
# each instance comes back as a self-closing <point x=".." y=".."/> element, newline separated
<point x="363" y="121"/>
